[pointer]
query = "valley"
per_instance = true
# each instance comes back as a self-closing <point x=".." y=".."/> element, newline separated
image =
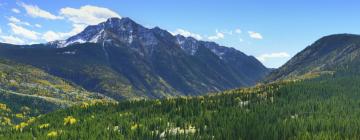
<point x="114" y="77"/>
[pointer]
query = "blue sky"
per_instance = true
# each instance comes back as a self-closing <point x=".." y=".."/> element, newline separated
<point x="271" y="30"/>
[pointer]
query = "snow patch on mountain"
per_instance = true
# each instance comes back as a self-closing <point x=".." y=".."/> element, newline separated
<point x="127" y="32"/>
<point x="97" y="37"/>
<point x="191" y="46"/>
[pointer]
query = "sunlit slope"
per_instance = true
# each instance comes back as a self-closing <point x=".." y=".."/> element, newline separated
<point x="26" y="86"/>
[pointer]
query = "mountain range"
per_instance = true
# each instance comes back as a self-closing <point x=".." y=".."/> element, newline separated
<point x="88" y="79"/>
<point x="122" y="59"/>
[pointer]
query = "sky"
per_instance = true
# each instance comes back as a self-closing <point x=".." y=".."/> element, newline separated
<point x="271" y="30"/>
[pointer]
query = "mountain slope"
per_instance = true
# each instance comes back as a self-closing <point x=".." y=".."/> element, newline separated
<point x="26" y="86"/>
<point x="334" y="53"/>
<point x="123" y="59"/>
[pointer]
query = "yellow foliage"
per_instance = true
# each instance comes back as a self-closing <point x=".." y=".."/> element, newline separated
<point x="31" y="120"/>
<point x="69" y="120"/>
<point x="52" y="134"/>
<point x="4" y="107"/>
<point x="6" y="121"/>
<point x="19" y="115"/>
<point x="135" y="126"/>
<point x="85" y="105"/>
<point x="21" y="126"/>
<point x="44" y="82"/>
<point x="65" y="87"/>
<point x="42" y="126"/>
<point x="94" y="102"/>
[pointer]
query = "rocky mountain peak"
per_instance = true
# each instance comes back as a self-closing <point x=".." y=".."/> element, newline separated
<point x="129" y="33"/>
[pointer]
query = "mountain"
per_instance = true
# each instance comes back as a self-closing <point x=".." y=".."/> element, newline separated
<point x="122" y="59"/>
<point x="338" y="53"/>
<point x="248" y="67"/>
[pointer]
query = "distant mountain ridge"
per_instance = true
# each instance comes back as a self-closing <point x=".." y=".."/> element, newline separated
<point x="334" y="53"/>
<point x="122" y="59"/>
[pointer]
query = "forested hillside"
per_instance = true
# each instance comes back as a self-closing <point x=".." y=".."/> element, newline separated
<point x="23" y="86"/>
<point x="338" y="52"/>
<point x="323" y="107"/>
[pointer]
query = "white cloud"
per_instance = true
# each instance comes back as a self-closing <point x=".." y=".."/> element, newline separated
<point x="77" y="28"/>
<point x="0" y="31"/>
<point x="88" y="14"/>
<point x="255" y="35"/>
<point x="18" y="21"/>
<point x="238" y="31"/>
<point x="33" y="42"/>
<point x="35" y="11"/>
<point x="225" y="32"/>
<point x="12" y="40"/>
<point x="38" y="25"/>
<point x="18" y="30"/>
<point x="187" y="34"/>
<point x="14" y="19"/>
<point x="52" y="36"/>
<point x="265" y="57"/>
<point x="17" y="11"/>
<point x="80" y="18"/>
<point x="218" y="35"/>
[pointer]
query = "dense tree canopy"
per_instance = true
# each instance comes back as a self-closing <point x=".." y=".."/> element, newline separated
<point x="326" y="107"/>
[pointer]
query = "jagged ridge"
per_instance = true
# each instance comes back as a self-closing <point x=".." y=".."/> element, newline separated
<point x="123" y="59"/>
